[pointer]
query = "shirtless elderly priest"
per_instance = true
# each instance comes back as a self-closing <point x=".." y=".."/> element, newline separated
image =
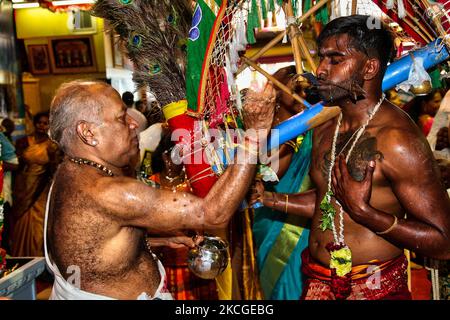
<point x="98" y="218"/>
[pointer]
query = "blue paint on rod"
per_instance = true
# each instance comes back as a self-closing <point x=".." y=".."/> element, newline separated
<point x="289" y="129"/>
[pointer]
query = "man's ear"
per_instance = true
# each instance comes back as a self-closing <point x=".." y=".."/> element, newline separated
<point x="85" y="133"/>
<point x="372" y="68"/>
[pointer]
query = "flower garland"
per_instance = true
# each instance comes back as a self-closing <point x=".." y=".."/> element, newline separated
<point x="341" y="255"/>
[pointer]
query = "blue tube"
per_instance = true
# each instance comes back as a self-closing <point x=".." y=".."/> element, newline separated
<point x="398" y="71"/>
<point x="289" y="129"/>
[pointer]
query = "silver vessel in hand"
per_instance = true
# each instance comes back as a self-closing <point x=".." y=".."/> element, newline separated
<point x="209" y="258"/>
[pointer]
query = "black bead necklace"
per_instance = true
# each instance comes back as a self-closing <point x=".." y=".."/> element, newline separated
<point x="92" y="164"/>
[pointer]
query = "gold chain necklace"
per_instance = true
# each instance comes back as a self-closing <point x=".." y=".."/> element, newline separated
<point x="92" y="164"/>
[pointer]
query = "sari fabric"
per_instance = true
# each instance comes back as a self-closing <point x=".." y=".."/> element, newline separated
<point x="280" y="238"/>
<point x="31" y="187"/>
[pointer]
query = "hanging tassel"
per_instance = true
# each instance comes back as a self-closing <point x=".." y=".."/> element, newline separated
<point x="252" y="22"/>
<point x="240" y="34"/>
<point x="294" y="7"/>
<point x="263" y="6"/>
<point x="233" y="56"/>
<point x="334" y="7"/>
<point x="389" y="4"/>
<point x="322" y="15"/>
<point x="250" y="34"/>
<point x="344" y="8"/>
<point x="272" y="9"/>
<point x="271" y="5"/>
<point x="229" y="70"/>
<point x="299" y="8"/>
<point x="256" y="13"/>
<point x="263" y="9"/>
<point x="401" y="9"/>
<point x="307" y="5"/>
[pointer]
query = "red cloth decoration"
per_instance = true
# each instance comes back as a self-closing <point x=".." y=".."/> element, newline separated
<point x="392" y="276"/>
<point x="393" y="15"/>
<point x="194" y="170"/>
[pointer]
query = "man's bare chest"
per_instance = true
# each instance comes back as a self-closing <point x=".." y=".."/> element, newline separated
<point x="358" y="150"/>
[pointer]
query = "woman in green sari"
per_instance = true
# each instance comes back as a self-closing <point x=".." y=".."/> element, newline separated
<point x="38" y="157"/>
<point x="279" y="238"/>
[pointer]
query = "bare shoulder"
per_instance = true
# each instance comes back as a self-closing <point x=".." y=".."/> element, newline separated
<point x="401" y="141"/>
<point x="74" y="183"/>
<point x="393" y="117"/>
<point x="104" y="183"/>
<point x="395" y="128"/>
<point x="116" y="190"/>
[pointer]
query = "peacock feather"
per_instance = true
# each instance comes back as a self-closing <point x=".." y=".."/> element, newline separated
<point x="155" y="35"/>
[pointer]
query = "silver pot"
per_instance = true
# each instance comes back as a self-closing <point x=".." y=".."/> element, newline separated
<point x="209" y="258"/>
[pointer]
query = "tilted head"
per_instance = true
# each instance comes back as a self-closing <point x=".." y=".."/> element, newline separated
<point x="353" y="50"/>
<point x="88" y="119"/>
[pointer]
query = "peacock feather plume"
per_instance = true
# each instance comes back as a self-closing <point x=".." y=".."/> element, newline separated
<point x="155" y="34"/>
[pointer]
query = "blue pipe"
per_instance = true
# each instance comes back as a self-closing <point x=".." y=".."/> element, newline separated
<point x="289" y="128"/>
<point x="398" y="71"/>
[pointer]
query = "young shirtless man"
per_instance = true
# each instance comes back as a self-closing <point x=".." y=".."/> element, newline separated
<point x="389" y="188"/>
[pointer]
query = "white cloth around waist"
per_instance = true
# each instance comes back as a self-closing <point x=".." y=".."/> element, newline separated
<point x="63" y="290"/>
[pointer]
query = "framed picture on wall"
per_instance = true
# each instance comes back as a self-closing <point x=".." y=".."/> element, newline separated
<point x="72" y="54"/>
<point x="38" y="58"/>
<point x="117" y="50"/>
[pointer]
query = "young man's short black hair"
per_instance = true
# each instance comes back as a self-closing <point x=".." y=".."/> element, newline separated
<point x="366" y="34"/>
<point x="128" y="98"/>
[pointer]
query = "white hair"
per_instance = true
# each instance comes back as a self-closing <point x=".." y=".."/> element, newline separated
<point x="74" y="101"/>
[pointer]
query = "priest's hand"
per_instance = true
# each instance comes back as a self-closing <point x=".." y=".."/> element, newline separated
<point x="175" y="242"/>
<point x="259" y="108"/>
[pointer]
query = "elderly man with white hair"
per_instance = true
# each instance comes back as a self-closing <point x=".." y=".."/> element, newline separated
<point x="97" y="217"/>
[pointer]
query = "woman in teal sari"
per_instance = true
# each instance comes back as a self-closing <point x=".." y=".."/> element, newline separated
<point x="279" y="238"/>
